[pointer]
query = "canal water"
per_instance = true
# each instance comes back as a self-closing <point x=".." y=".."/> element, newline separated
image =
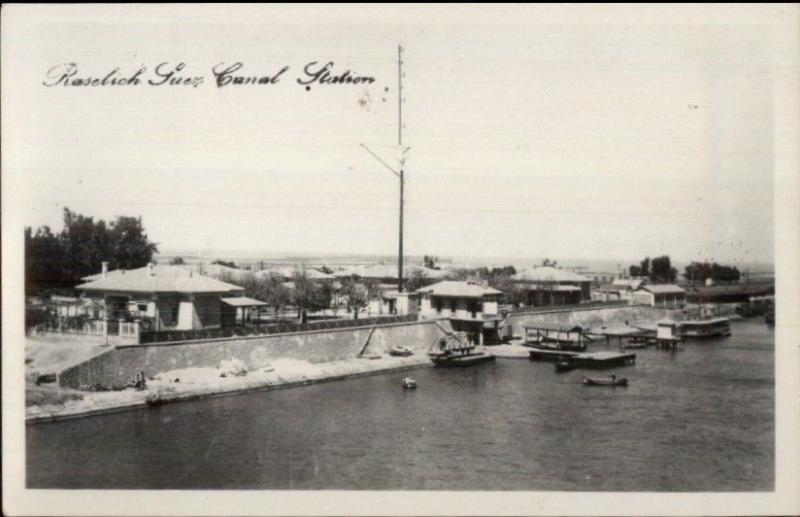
<point x="697" y="419"/>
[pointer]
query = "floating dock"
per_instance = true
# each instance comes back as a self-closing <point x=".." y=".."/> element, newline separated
<point x="540" y="354"/>
<point x="596" y="360"/>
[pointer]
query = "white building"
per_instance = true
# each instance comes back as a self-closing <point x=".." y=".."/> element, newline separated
<point x="661" y="295"/>
<point x="469" y="306"/>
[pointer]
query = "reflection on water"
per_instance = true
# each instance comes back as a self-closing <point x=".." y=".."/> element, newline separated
<point x="698" y="419"/>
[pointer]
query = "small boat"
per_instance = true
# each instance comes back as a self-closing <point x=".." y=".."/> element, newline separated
<point x="460" y="359"/>
<point x="565" y="366"/>
<point x="401" y="351"/>
<point x="611" y="381"/>
<point x="409" y="383"/>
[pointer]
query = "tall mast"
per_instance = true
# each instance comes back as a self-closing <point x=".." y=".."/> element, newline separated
<point x="402" y="164"/>
<point x="402" y="159"/>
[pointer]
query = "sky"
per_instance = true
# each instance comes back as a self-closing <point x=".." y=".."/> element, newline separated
<point x="530" y="134"/>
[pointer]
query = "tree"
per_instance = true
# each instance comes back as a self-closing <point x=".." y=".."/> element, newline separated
<point x="60" y="261"/>
<point x="357" y="295"/>
<point x="661" y="270"/>
<point x="701" y="271"/>
<point x="549" y="263"/>
<point x="131" y="247"/>
<point x="309" y="295"/>
<point x="417" y="279"/>
<point x="177" y="261"/>
<point x="44" y="267"/>
<point x="501" y="279"/>
<point x="277" y="295"/>
<point x="644" y="267"/>
<point x="635" y="270"/>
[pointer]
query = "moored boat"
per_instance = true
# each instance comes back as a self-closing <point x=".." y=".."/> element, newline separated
<point x="409" y="383"/>
<point x="401" y="351"/>
<point x="711" y="327"/>
<point x="455" y="351"/>
<point x="468" y="359"/>
<point x="610" y="381"/>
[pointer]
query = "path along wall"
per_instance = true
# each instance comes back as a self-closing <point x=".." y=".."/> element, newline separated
<point x="119" y="365"/>
<point x="589" y="317"/>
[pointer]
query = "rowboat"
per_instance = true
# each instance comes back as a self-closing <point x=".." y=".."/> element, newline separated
<point x="401" y="351"/>
<point x="409" y="383"/>
<point x="611" y="381"/>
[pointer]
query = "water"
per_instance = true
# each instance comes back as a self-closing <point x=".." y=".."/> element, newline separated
<point x="699" y="419"/>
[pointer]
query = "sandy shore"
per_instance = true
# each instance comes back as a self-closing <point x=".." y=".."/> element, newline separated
<point x="196" y="383"/>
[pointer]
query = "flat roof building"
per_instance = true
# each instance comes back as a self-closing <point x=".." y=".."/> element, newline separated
<point x="548" y="286"/>
<point x="660" y="295"/>
<point x="470" y="307"/>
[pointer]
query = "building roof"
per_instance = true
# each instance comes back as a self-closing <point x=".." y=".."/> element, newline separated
<point x="287" y="272"/>
<point x="548" y="274"/>
<point x="171" y="279"/>
<point x="393" y="294"/>
<point x="390" y="271"/>
<point x="558" y="288"/>
<point x="458" y="289"/>
<point x="216" y="271"/>
<point x="662" y="289"/>
<point x="210" y="270"/>
<point x="629" y="283"/>
<point x="555" y="328"/>
<point x="243" y="301"/>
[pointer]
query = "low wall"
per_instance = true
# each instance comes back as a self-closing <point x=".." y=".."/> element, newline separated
<point x="123" y="362"/>
<point x="589" y="317"/>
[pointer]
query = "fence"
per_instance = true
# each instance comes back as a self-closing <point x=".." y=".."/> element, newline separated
<point x="164" y="336"/>
<point x="127" y="330"/>
<point x="90" y="328"/>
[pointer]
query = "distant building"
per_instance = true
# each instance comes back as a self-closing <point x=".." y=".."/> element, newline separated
<point x="548" y="286"/>
<point x="286" y="273"/>
<point x="389" y="300"/>
<point x="168" y="298"/>
<point x="386" y="274"/>
<point x="470" y="307"/>
<point x="392" y="302"/>
<point x="621" y="289"/>
<point x="660" y="295"/>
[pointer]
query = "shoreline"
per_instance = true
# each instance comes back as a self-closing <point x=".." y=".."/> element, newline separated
<point x="303" y="374"/>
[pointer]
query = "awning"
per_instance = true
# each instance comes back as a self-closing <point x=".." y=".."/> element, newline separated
<point x="243" y="301"/>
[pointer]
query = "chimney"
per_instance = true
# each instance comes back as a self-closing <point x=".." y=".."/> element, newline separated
<point x="104" y="269"/>
<point x="152" y="271"/>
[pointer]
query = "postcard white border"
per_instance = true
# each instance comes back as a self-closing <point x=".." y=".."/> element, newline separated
<point x="783" y="21"/>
